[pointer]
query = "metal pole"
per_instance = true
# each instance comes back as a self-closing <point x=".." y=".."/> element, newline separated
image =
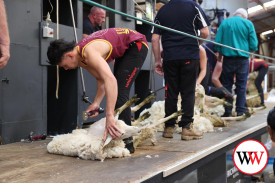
<point x="169" y="29"/>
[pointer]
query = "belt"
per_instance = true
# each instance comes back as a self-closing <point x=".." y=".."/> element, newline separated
<point x="134" y="42"/>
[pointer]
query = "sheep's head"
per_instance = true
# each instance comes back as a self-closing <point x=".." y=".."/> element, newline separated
<point x="130" y="131"/>
<point x="127" y="131"/>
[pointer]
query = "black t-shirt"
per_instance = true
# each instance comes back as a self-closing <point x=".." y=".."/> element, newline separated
<point x="183" y="15"/>
<point x="88" y="27"/>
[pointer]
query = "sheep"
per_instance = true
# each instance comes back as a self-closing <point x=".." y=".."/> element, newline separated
<point x="202" y="110"/>
<point x="215" y="105"/>
<point x="217" y="110"/>
<point x="145" y="101"/>
<point x="199" y="99"/>
<point x="149" y="130"/>
<point x="271" y="96"/>
<point x="88" y="144"/>
<point x="142" y="117"/>
<point x="252" y="91"/>
<point x="200" y="124"/>
<point x="156" y="112"/>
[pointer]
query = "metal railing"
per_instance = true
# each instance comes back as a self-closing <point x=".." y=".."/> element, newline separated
<point x="172" y="30"/>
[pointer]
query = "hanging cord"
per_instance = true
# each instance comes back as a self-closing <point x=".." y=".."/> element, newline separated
<point x="51" y="6"/>
<point x="84" y="97"/>
<point x="210" y="50"/>
<point x="57" y="37"/>
<point x="140" y="8"/>
<point x="72" y="12"/>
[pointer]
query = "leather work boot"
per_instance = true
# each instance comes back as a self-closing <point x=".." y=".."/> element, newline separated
<point x="190" y="134"/>
<point x="168" y="132"/>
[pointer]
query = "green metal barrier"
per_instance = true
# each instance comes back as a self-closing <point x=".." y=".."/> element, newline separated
<point x="169" y="29"/>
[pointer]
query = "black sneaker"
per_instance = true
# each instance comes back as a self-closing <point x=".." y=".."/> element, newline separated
<point x="246" y="113"/>
<point x="227" y="114"/>
<point x="240" y="114"/>
<point x="129" y="144"/>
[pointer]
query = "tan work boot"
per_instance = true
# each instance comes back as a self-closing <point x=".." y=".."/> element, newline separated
<point x="168" y="132"/>
<point x="190" y="134"/>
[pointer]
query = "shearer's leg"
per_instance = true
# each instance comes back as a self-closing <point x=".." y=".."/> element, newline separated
<point x="126" y="70"/>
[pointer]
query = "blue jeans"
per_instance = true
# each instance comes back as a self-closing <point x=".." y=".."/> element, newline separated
<point x="238" y="66"/>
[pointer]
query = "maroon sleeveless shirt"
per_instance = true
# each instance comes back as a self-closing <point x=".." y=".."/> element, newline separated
<point x="118" y="39"/>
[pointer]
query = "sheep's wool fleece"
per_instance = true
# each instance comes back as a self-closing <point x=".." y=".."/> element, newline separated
<point x="218" y="110"/>
<point x="252" y="90"/>
<point x="156" y="113"/>
<point x="86" y="146"/>
<point x="271" y="96"/>
<point x="202" y="124"/>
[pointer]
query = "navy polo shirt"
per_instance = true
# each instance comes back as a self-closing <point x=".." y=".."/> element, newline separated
<point x="88" y="27"/>
<point x="183" y="15"/>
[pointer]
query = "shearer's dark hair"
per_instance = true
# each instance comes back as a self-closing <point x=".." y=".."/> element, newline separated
<point x="271" y="118"/>
<point x="57" y="49"/>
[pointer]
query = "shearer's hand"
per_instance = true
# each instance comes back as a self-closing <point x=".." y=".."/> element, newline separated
<point x="111" y="128"/>
<point x="93" y="107"/>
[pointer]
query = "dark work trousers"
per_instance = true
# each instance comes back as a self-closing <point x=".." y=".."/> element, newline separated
<point x="238" y="66"/>
<point x="126" y="69"/>
<point x="180" y="77"/>
<point x="258" y="81"/>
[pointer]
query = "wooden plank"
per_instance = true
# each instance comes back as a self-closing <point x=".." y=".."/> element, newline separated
<point x="30" y="162"/>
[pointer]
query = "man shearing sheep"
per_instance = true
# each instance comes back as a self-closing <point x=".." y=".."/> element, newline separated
<point x="129" y="49"/>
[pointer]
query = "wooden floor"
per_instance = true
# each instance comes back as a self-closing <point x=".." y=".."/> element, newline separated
<point x="29" y="162"/>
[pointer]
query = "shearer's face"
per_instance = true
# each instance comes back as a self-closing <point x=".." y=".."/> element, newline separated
<point x="68" y="62"/>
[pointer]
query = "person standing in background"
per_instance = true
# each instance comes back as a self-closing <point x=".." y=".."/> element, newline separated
<point x="4" y="37"/>
<point x="262" y="67"/>
<point x="180" y="60"/>
<point x="237" y="32"/>
<point x="94" y="21"/>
